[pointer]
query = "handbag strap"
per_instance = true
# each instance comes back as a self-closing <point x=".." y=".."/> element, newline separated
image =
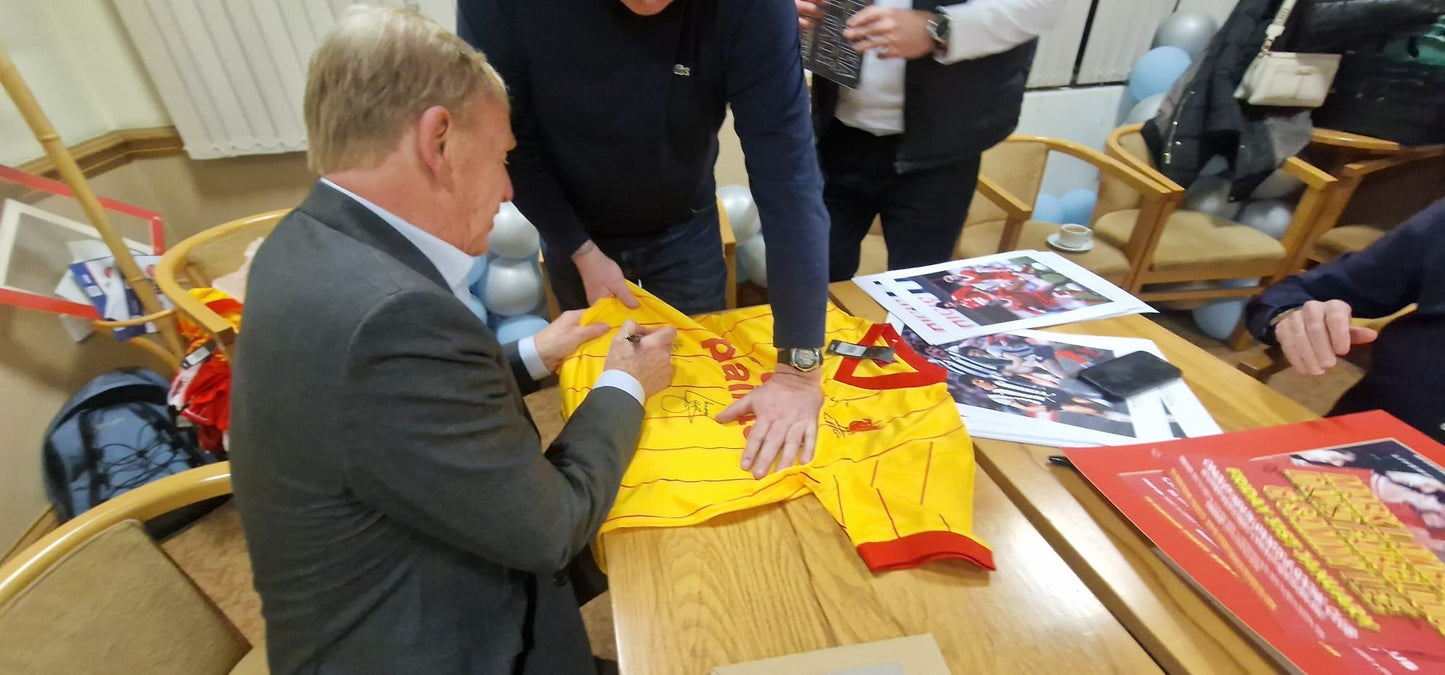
<point x="1276" y="27"/>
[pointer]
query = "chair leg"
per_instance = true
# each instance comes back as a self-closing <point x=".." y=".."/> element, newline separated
<point x="1240" y="339"/>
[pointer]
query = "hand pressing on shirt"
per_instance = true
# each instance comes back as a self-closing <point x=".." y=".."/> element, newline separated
<point x="562" y="337"/>
<point x="645" y="355"/>
<point x="1316" y="333"/>
<point x="601" y="276"/>
<point x="892" y="33"/>
<point x="786" y="427"/>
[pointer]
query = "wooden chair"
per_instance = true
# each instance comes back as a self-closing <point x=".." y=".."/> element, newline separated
<point x="200" y="259"/>
<point x="1186" y="246"/>
<point x="97" y="594"/>
<point x="730" y="254"/>
<point x="1372" y="196"/>
<point x="1009" y="180"/>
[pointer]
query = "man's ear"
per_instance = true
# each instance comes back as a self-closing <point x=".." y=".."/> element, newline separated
<point x="435" y="130"/>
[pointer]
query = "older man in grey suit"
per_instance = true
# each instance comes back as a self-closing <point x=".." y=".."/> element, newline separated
<point x="400" y="512"/>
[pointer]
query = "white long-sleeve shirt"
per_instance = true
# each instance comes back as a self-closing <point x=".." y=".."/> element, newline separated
<point x="979" y="28"/>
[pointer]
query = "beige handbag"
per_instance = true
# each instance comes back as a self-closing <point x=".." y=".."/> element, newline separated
<point x="1287" y="79"/>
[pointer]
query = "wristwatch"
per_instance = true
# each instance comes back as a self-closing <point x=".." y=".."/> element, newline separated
<point x="938" y="29"/>
<point x="805" y="360"/>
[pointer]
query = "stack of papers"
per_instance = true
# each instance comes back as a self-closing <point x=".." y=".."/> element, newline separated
<point x="1024" y="387"/>
<point x="972" y="318"/>
<point x="96" y="280"/>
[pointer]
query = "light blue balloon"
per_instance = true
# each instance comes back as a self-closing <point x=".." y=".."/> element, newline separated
<point x="1156" y="71"/>
<point x="475" y="274"/>
<point x="514" y="328"/>
<point x="1048" y="209"/>
<point x="1218" y="319"/>
<point x="1078" y="205"/>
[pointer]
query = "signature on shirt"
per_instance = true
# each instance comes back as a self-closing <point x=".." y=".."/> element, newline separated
<point x="690" y="404"/>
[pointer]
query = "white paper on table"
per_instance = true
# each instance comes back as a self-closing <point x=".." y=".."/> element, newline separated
<point x="1148" y="414"/>
<point x="1007" y="289"/>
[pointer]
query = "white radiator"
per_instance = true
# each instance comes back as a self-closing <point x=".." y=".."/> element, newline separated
<point x="1059" y="48"/>
<point x="232" y="72"/>
<point x="1219" y="9"/>
<point x="1123" y="30"/>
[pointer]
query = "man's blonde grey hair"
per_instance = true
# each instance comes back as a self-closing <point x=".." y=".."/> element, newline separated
<point x="374" y="74"/>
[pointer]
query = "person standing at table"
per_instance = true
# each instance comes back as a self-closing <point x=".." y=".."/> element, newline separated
<point x="1308" y="316"/>
<point x="400" y="513"/>
<point x="941" y="83"/>
<point x="616" y="107"/>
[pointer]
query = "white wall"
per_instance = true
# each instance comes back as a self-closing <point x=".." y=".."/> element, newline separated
<point x="80" y="64"/>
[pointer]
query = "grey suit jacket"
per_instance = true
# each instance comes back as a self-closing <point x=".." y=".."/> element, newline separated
<point x="400" y="513"/>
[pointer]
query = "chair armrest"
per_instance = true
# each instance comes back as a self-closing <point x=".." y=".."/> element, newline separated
<point x="1313" y="177"/>
<point x="167" y="280"/>
<point x="1005" y="200"/>
<point x="1345" y="139"/>
<point x="1262" y="362"/>
<point x="143" y="503"/>
<point x="1369" y="166"/>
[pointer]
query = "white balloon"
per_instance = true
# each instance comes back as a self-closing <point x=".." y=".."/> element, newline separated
<point x="1278" y="186"/>
<point x="737" y="202"/>
<point x="512" y="234"/>
<point x="512" y="286"/>
<point x="1270" y="216"/>
<point x="1188" y="31"/>
<point x="1145" y="110"/>
<point x="753" y="261"/>
<point x="1210" y="194"/>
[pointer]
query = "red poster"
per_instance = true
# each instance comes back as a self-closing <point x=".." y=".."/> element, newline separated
<point x="1326" y="539"/>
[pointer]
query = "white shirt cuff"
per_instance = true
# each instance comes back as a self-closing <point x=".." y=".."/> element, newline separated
<point x="620" y="380"/>
<point x="985" y="27"/>
<point x="527" y="348"/>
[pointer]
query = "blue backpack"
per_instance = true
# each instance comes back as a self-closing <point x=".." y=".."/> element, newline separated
<point x="112" y="436"/>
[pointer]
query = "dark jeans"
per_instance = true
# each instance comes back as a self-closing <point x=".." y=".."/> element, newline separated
<point x="922" y="211"/>
<point x="683" y="265"/>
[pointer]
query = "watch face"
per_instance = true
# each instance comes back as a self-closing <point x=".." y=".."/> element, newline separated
<point x="805" y="358"/>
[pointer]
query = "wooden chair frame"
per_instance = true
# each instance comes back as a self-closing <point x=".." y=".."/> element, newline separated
<point x="1350" y="177"/>
<point x="175" y="265"/>
<point x="143" y="503"/>
<point x="1319" y="188"/>
<point x="1154" y="196"/>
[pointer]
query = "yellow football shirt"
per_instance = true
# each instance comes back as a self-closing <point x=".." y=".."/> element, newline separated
<point x="893" y="465"/>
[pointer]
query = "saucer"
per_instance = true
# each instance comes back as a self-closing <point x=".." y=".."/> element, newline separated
<point x="1053" y="241"/>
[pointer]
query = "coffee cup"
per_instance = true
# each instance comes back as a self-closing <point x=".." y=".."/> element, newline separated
<point x="1075" y="236"/>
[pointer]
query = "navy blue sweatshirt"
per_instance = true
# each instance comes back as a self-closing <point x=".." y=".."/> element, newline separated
<point x="1407" y="370"/>
<point x="616" y="118"/>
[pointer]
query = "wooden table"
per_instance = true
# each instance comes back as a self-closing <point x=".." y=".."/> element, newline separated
<point x="783" y="579"/>
<point x="1177" y="626"/>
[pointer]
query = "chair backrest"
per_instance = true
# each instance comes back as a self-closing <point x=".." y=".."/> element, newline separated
<point x="1017" y="166"/>
<point x="115" y="604"/>
<point x="198" y="260"/>
<point x="1127" y="145"/>
<point x="1387" y="191"/>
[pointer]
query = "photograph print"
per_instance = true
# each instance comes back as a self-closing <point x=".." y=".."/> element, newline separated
<point x="952" y="301"/>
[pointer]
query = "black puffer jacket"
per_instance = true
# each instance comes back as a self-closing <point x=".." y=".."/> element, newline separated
<point x="1201" y="118"/>
<point x="1335" y="26"/>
